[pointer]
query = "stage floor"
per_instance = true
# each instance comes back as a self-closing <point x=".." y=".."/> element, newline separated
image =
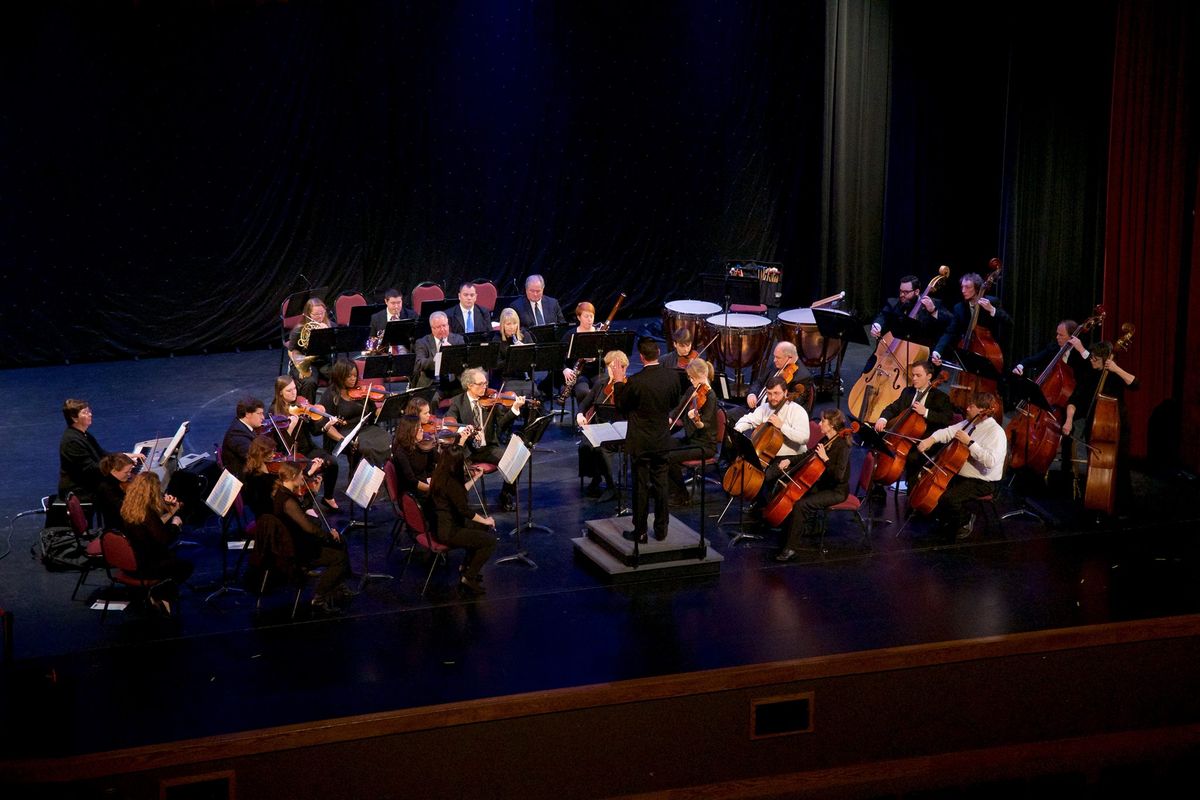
<point x="222" y="667"/>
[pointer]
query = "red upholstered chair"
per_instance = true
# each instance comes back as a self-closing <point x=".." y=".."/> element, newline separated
<point x="428" y="290"/>
<point x="703" y="465"/>
<point x="286" y="324"/>
<point x="391" y="482"/>
<point x="421" y="532"/>
<point x="85" y="540"/>
<point x="121" y="563"/>
<point x="345" y="302"/>
<point x="484" y="471"/>
<point x="859" y="492"/>
<point x="485" y="294"/>
<point x="987" y="506"/>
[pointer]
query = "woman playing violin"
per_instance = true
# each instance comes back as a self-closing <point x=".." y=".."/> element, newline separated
<point x="698" y="415"/>
<point x="297" y="437"/>
<point x="314" y="545"/>
<point x="598" y="407"/>
<point x="116" y="470"/>
<point x="682" y="352"/>
<point x="980" y="475"/>
<point x="830" y="489"/>
<point x="457" y="524"/>
<point x="151" y="521"/>
<point x="373" y="442"/>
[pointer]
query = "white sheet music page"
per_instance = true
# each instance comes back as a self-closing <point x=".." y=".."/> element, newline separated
<point x="365" y="484"/>
<point x="224" y="492"/>
<point x="513" y="460"/>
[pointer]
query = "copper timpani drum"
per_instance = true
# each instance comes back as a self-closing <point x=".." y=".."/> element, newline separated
<point x="690" y="314"/>
<point x="743" y="337"/>
<point x="799" y="327"/>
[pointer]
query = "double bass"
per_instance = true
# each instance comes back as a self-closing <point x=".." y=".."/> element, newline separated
<point x="979" y="341"/>
<point x="936" y="479"/>
<point x="887" y="372"/>
<point x="1100" y="493"/>
<point x="1034" y="434"/>
<point x="903" y="431"/>
<point x="798" y="480"/>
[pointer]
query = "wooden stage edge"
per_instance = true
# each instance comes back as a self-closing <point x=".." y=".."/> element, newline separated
<point x="533" y="704"/>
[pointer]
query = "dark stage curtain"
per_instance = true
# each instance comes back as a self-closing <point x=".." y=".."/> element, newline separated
<point x="173" y="170"/>
<point x="1150" y="268"/>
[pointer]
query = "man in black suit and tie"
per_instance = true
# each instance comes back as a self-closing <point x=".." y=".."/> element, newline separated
<point x="427" y="348"/>
<point x="647" y="400"/>
<point x="240" y="434"/>
<point x="490" y="422"/>
<point x="394" y="312"/>
<point x="535" y="308"/>
<point x="926" y="401"/>
<point x="467" y="317"/>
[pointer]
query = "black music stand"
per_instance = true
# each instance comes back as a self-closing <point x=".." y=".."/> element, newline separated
<point x="296" y="301"/>
<point x="393" y="407"/>
<point x="725" y="290"/>
<point x="871" y="439"/>
<point x="360" y="316"/>
<point x="522" y="359"/>
<point x="388" y="367"/>
<point x="530" y="435"/>
<point x="400" y="333"/>
<point x="322" y="342"/>
<point x="741" y="446"/>
<point x="1024" y="390"/>
<point x="429" y="307"/>
<point x="907" y="329"/>
<point x="847" y="329"/>
<point x="365" y="524"/>
<point x="454" y="362"/>
<point x="550" y="333"/>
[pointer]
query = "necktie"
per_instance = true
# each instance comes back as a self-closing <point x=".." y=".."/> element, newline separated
<point x="470" y="321"/>
<point x="478" y="416"/>
<point x="441" y="344"/>
<point x="393" y="319"/>
<point x="538" y="319"/>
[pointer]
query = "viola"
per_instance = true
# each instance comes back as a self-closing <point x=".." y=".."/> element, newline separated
<point x="279" y="459"/>
<point x="1100" y="493"/>
<point x="271" y="424"/>
<point x="936" y="479"/>
<point x="903" y="431"/>
<point x="799" y="479"/>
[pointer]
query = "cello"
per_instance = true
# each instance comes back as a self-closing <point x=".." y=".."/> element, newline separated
<point x="886" y="373"/>
<point x="900" y="435"/>
<point x="936" y="480"/>
<point x="979" y="341"/>
<point x="799" y="480"/>
<point x="743" y="479"/>
<point x="1100" y="492"/>
<point x="1034" y="434"/>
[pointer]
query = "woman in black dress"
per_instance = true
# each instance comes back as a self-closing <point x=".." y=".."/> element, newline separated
<point x="151" y="521"/>
<point x="314" y="546"/>
<point x="372" y="442"/>
<point x="457" y="524"/>
<point x="297" y="437"/>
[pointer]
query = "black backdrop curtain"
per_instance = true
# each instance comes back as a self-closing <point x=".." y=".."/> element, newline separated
<point x="173" y="170"/>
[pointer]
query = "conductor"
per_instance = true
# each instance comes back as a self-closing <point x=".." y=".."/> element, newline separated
<point x="647" y="399"/>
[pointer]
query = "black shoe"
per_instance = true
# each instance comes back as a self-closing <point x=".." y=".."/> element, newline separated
<point x="681" y="499"/>
<point x="634" y="536"/>
<point x="322" y="604"/>
<point x="660" y="536"/>
<point x="607" y="495"/>
<point x="471" y="585"/>
<point x="593" y="489"/>
<point x="344" y="592"/>
<point x="508" y="503"/>
<point x="966" y="530"/>
<point x="785" y="555"/>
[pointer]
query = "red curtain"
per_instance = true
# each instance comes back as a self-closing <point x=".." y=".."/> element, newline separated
<point x="1149" y="223"/>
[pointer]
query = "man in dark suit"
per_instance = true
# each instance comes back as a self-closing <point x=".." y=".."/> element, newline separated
<point x="240" y="434"/>
<point x="491" y="422"/>
<point x="467" y="317"/>
<point x="647" y="399"/>
<point x="395" y="311"/>
<point x="926" y="401"/>
<point x="535" y="308"/>
<point x="427" y="348"/>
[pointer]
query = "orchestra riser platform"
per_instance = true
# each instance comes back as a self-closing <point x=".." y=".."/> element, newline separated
<point x="680" y="555"/>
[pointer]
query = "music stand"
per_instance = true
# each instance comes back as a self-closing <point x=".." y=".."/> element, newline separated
<point x="1023" y="390"/>
<point x="742" y="446"/>
<point x="454" y="361"/>
<point x="530" y="435"/>
<point x="522" y="359"/>
<point x="725" y="290"/>
<point x="393" y="407"/>
<point x="429" y="307"/>
<point x="360" y="316"/>
<point x="550" y="333"/>
<point x="297" y="300"/>
<point x="871" y="439"/>
<point x="402" y="333"/>
<point x="847" y="329"/>
<point x="907" y="329"/>
<point x="322" y="342"/>
<point x="482" y="353"/>
<point x="387" y="367"/>
<point x="364" y="487"/>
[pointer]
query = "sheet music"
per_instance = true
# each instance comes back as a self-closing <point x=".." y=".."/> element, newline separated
<point x="437" y="364"/>
<point x="224" y="492"/>
<point x="342" y="445"/>
<point x="513" y="460"/>
<point x="598" y="433"/>
<point x="365" y="484"/>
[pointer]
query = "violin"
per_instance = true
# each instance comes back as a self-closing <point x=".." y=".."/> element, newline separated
<point x="1100" y="493"/>
<point x="315" y="412"/>
<point x="271" y="424"/>
<point x="606" y="399"/>
<point x="901" y="434"/>
<point x="506" y="399"/>
<point x="362" y="391"/>
<point x="800" y="479"/>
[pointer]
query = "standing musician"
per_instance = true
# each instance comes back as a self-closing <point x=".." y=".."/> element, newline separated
<point x="930" y="317"/>
<point x="457" y="525"/>
<point x="960" y="316"/>
<point x="535" y="308"/>
<point x="314" y="545"/>
<point x="1077" y="360"/>
<point x="151" y="521"/>
<point x="1085" y="397"/>
<point x="830" y="489"/>
<point x="647" y="399"/>
<point x="116" y="470"/>
<point x="79" y="453"/>
<point x="600" y="406"/>
<point x="681" y="350"/>
<point x="789" y="417"/>
<point x="981" y="474"/>
<point x="428" y="346"/>
<point x="467" y="317"/>
<point x="306" y="368"/>
<point x="297" y="437"/>
<point x="698" y="414"/>
<point x="582" y="370"/>
<point x="489" y="424"/>
<point x="510" y="332"/>
<point x="341" y="400"/>
<point x="926" y="401"/>
<point x="241" y="432"/>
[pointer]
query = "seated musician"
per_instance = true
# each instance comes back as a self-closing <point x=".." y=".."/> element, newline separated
<point x="306" y="368"/>
<point x="241" y="432"/>
<point x="785" y="359"/>
<point x="258" y="482"/>
<point x="1077" y="360"/>
<point x="588" y="368"/>
<point x="116" y="470"/>
<point x="981" y="474"/>
<point x="830" y="489"/>
<point x="598" y="407"/>
<point x="427" y="347"/>
<point x="510" y="333"/>
<point x="395" y="311"/>
<point x="535" y="308"/>
<point x="789" y="417"/>
<point x="930" y="317"/>
<point x="698" y="414"/>
<point x="457" y="525"/>
<point x="1119" y="381"/>
<point x="489" y="423"/>
<point x="297" y="437"/>
<point x="314" y="543"/>
<point x="414" y="452"/>
<point x="681" y="350"/>
<point x="960" y="317"/>
<point x="925" y="400"/>
<point x="340" y="399"/>
<point x="467" y="316"/>
<point x="79" y="453"/>
<point x="151" y="521"/>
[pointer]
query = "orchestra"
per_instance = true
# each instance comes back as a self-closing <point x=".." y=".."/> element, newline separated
<point x="949" y="449"/>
